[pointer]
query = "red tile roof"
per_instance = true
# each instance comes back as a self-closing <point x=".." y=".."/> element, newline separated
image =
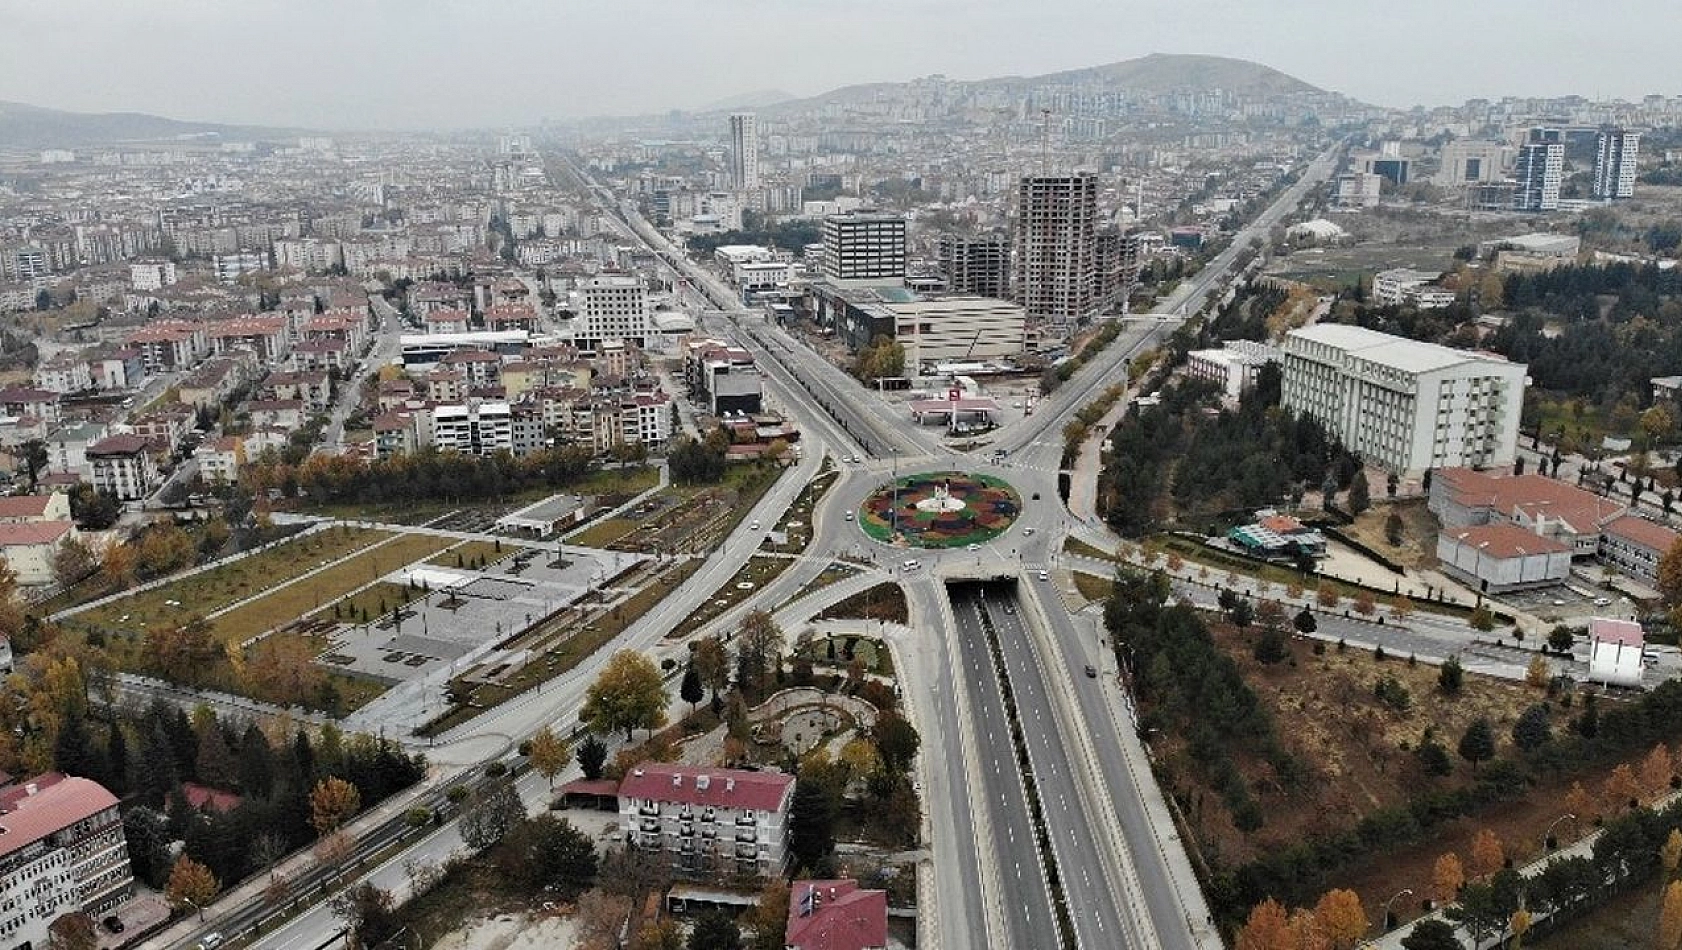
<point x="32" y="532"/>
<point x="720" y="788"/>
<point x="24" y="506"/>
<point x="1537" y="496"/>
<point x="1508" y="541"/>
<point x="57" y="802"/>
<point x="119" y="445"/>
<point x="1625" y="632"/>
<point x="836" y="915"/>
<point x="205" y="798"/>
<point x="1643" y="532"/>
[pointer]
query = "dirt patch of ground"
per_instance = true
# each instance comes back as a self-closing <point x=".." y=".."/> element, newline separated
<point x="1356" y="750"/>
<point x="512" y="932"/>
<point x="1358" y="754"/>
<point x="1418" y="549"/>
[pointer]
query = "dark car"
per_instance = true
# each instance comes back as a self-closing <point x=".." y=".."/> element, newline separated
<point x="1091" y="671"/>
<point x="114" y="924"/>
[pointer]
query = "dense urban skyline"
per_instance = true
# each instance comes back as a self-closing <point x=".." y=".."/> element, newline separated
<point x="442" y="64"/>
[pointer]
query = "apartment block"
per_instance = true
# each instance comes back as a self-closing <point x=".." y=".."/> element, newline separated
<point x="1539" y="171"/>
<point x="708" y="822"/>
<point x="1617" y="152"/>
<point x="976" y="265"/>
<point x="1054" y="266"/>
<point x="473" y="428"/>
<point x="611" y="307"/>
<point x="1404" y="405"/>
<point x="62" y="850"/>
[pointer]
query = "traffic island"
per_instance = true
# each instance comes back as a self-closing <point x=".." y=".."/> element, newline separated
<point x="940" y="510"/>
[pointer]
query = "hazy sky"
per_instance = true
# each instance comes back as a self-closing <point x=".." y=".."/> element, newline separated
<point x="453" y="63"/>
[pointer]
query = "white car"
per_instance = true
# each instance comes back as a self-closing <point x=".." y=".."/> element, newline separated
<point x="975" y="547"/>
<point x="211" y="941"/>
<point x="754" y="526"/>
<point x="1603" y="601"/>
<point x="1045" y="575"/>
<point x="911" y="565"/>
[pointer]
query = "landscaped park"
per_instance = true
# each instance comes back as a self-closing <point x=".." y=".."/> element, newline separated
<point x="940" y="510"/>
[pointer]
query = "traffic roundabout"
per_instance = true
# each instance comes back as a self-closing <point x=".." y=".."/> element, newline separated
<point x="940" y="510"/>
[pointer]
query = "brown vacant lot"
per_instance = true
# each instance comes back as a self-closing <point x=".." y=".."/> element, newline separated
<point x="1358" y="754"/>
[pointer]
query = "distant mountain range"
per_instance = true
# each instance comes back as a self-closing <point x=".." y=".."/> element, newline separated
<point x="25" y="126"/>
<point x="1156" y="73"/>
<point x="760" y="99"/>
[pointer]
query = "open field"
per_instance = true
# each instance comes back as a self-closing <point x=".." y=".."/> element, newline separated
<point x="603" y="533"/>
<point x="1093" y="588"/>
<point x="288" y="603"/>
<point x="215" y="589"/>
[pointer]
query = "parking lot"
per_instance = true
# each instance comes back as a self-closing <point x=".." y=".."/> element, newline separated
<point x="1572" y="603"/>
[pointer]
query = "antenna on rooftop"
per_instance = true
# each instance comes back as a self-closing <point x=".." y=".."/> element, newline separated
<point x="1045" y="141"/>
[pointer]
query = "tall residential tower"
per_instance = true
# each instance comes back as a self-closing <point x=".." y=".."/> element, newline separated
<point x="1615" y="156"/>
<point x="1054" y="253"/>
<point x="1539" y="171"/>
<point x="744" y="151"/>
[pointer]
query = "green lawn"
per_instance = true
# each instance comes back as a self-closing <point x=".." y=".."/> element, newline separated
<point x="290" y="603"/>
<point x="467" y="553"/>
<point x="219" y="587"/>
<point x="603" y="533"/>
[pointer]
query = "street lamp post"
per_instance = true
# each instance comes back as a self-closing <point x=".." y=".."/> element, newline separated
<point x="1548" y="840"/>
<point x="1384" y="922"/>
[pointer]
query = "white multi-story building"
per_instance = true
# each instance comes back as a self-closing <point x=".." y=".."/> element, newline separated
<point x="958" y="329"/>
<point x="1539" y="171"/>
<point x="864" y="247"/>
<point x="744" y="151"/>
<point x="708" y="822"/>
<point x="1404" y="405"/>
<point x="1358" y="190"/>
<point x="231" y="267"/>
<point x="1233" y="367"/>
<point x="122" y="466"/>
<point x="1616" y="155"/>
<point x="611" y="307"/>
<point x="1402" y="285"/>
<point x="473" y="428"/>
<point x="62" y="850"/>
<point x="150" y="276"/>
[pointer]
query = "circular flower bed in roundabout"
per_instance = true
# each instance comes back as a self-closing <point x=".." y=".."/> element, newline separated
<point x="940" y="510"/>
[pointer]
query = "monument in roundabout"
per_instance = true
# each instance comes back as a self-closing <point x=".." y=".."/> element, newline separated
<point x="940" y="510"/>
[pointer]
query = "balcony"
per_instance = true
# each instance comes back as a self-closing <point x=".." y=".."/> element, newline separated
<point x="649" y="809"/>
<point x="746" y="836"/>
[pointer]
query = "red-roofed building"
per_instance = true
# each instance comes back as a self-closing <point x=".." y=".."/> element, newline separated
<point x="205" y="798"/>
<point x="1634" y="546"/>
<point x="1462" y="498"/>
<point x="61" y="850"/>
<point x="836" y="915"/>
<point x="708" y="821"/>
<point x="15" y="509"/>
<point x="1496" y="558"/>
<point x="1615" y="651"/>
<point x="29" y="548"/>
